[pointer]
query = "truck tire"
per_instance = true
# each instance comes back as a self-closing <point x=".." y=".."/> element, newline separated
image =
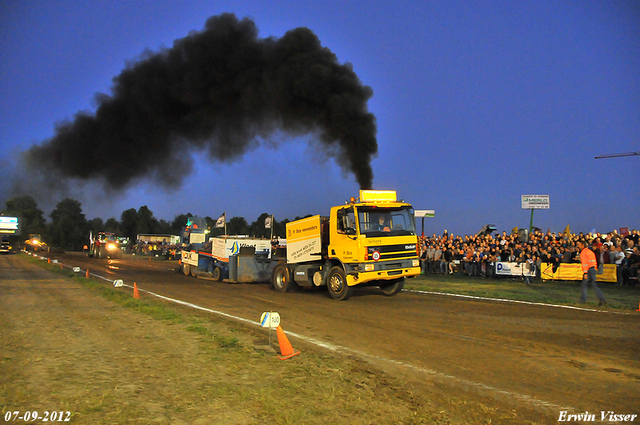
<point x="216" y="274"/>
<point x="186" y="269"/>
<point x="281" y="279"/>
<point x="102" y="253"/>
<point x="393" y="287"/>
<point x="337" y="284"/>
<point x="194" y="271"/>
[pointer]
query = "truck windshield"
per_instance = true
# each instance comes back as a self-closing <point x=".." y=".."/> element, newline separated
<point x="376" y="222"/>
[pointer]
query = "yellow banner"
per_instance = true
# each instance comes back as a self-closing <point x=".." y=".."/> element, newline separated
<point x="573" y="271"/>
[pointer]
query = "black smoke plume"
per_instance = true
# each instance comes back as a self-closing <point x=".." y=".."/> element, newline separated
<point x="219" y="90"/>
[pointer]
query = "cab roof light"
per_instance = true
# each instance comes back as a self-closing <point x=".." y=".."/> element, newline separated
<point x="378" y="196"/>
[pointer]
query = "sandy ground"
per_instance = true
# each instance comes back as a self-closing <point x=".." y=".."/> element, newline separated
<point x="531" y="361"/>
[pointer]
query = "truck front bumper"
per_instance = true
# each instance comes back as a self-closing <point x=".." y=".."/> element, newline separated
<point x="382" y="270"/>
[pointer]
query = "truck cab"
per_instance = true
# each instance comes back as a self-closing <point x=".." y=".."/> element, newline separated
<point x="374" y="241"/>
<point x="370" y="241"/>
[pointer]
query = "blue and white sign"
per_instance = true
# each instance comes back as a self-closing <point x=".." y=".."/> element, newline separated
<point x="513" y="269"/>
<point x="270" y="319"/>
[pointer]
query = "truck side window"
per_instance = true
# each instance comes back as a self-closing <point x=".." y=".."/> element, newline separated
<point x="346" y="221"/>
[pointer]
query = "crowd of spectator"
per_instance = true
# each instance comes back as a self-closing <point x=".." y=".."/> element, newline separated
<point x="477" y="255"/>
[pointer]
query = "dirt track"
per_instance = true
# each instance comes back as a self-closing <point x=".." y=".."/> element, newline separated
<point x="531" y="359"/>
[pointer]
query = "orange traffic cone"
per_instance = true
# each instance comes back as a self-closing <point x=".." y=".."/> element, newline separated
<point x="49" y="260"/>
<point x="87" y="276"/>
<point x="285" y="346"/>
<point x="61" y="267"/>
<point x="135" y="291"/>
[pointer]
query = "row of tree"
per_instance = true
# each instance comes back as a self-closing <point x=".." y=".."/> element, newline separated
<point x="69" y="229"/>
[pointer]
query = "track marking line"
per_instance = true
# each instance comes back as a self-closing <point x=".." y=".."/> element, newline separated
<point x="504" y="300"/>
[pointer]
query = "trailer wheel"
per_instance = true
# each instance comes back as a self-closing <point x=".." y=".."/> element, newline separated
<point x="186" y="269"/>
<point x="216" y="274"/>
<point x="393" y="287"/>
<point x="337" y="284"/>
<point x="281" y="279"/>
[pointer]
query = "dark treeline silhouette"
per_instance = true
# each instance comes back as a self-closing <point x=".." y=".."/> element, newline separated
<point x="69" y="228"/>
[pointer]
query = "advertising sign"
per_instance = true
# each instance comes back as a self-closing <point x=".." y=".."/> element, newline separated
<point x="304" y="241"/>
<point x="425" y="213"/>
<point x="9" y="225"/>
<point x="222" y="248"/>
<point x="513" y="269"/>
<point x="573" y="271"/>
<point x="540" y="202"/>
<point x="190" y="257"/>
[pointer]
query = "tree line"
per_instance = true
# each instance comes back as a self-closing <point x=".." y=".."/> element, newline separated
<point x="69" y="228"/>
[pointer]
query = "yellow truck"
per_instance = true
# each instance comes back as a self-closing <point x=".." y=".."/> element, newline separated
<point x="369" y="241"/>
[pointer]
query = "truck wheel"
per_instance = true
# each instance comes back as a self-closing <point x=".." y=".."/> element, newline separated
<point x="194" y="271"/>
<point x="393" y="287"/>
<point x="186" y="269"/>
<point x="216" y="274"/>
<point x="281" y="279"/>
<point x="337" y="284"/>
<point x="102" y="253"/>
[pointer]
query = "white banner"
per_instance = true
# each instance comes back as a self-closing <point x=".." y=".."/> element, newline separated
<point x="425" y="213"/>
<point x="535" y="202"/>
<point x="190" y="257"/>
<point x="513" y="269"/>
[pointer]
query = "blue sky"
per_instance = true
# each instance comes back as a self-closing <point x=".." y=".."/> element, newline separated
<point x="477" y="103"/>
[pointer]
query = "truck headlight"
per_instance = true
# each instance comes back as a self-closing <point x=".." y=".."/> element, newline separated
<point x="369" y="267"/>
<point x="415" y="263"/>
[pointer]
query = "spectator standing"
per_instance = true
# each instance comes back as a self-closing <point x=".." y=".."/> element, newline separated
<point x="616" y="256"/>
<point x="437" y="259"/>
<point x="448" y="260"/>
<point x="458" y="259"/>
<point x="430" y="258"/>
<point x="632" y="265"/>
<point x="423" y="258"/>
<point x="589" y="265"/>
